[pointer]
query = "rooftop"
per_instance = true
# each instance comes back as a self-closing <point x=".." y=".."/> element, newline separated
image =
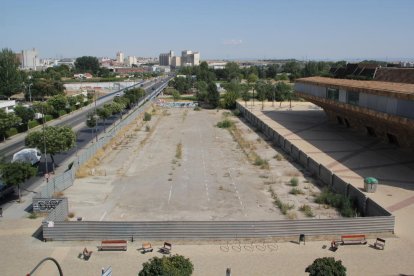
<point x="397" y="90"/>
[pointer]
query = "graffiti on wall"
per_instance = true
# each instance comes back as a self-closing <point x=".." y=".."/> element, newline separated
<point x="45" y="205"/>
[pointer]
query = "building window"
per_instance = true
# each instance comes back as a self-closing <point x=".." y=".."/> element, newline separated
<point x="353" y="98"/>
<point x="332" y="94"/>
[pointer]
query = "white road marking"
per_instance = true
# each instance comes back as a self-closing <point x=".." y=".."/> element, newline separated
<point x="103" y="216"/>
<point x="169" y="197"/>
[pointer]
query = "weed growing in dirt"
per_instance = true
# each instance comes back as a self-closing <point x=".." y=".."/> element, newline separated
<point x="226" y="123"/>
<point x="342" y="203"/>
<point x="147" y="117"/>
<point x="296" y="191"/>
<point x="307" y="210"/>
<point x="179" y="151"/>
<point x="263" y="163"/>
<point x="284" y="207"/>
<point x="294" y="181"/>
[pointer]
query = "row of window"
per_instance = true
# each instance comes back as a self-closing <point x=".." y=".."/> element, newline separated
<point x="351" y="97"/>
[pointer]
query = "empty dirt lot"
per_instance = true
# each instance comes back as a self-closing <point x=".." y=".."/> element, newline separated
<point x="181" y="166"/>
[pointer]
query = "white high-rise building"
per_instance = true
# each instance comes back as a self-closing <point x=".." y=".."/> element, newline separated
<point x="120" y="57"/>
<point x="29" y="59"/>
<point x="190" y="58"/>
<point x="131" y="60"/>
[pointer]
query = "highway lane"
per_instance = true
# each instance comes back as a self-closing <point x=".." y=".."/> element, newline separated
<point x="84" y="136"/>
<point x="8" y="148"/>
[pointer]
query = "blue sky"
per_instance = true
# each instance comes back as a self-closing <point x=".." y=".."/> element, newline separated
<point x="226" y="29"/>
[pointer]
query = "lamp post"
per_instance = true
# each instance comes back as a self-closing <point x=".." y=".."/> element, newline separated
<point x="44" y="145"/>
<point x="30" y="85"/>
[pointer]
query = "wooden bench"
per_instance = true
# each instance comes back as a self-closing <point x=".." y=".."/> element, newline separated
<point x="353" y="239"/>
<point x="379" y="243"/>
<point x="113" y="245"/>
<point x="146" y="247"/>
<point x="166" y="249"/>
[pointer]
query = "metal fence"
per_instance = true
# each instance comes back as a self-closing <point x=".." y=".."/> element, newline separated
<point x="187" y="230"/>
<point x="66" y="179"/>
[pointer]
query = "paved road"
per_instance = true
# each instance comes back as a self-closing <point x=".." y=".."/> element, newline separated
<point x="84" y="135"/>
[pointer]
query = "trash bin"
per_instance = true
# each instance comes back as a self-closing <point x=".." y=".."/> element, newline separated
<point x="370" y="184"/>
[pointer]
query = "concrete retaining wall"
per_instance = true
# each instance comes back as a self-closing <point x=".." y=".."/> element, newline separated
<point x="365" y="205"/>
<point x="325" y="175"/>
<point x="339" y="186"/>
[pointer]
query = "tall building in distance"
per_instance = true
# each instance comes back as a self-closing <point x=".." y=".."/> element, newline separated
<point x="165" y="59"/>
<point x="120" y="57"/>
<point x="131" y="60"/>
<point x="188" y="58"/>
<point x="29" y="59"/>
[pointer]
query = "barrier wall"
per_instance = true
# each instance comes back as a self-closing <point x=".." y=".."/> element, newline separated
<point x="339" y="186"/>
<point x="359" y="198"/>
<point x="366" y="205"/>
<point x="60" y="212"/>
<point x="325" y="175"/>
<point x="313" y="167"/>
<point x="188" y="230"/>
<point x="374" y="209"/>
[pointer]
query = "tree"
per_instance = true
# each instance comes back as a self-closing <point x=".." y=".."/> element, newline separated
<point x="16" y="173"/>
<point x="10" y="76"/>
<point x="104" y="113"/>
<point x="56" y="138"/>
<point x="292" y="67"/>
<point x="91" y="121"/>
<point x="245" y="94"/>
<point x="24" y="113"/>
<point x="262" y="92"/>
<point x="7" y="120"/>
<point x="232" y="71"/>
<point x="134" y="94"/>
<point x="213" y="95"/>
<point x="176" y="95"/>
<point x="251" y="80"/>
<point x="283" y="91"/>
<point x="58" y="102"/>
<point x="87" y="64"/>
<point x="326" y="266"/>
<point x="173" y="266"/>
<point x="46" y="87"/>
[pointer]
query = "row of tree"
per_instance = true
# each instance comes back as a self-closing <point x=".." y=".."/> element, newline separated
<point x="23" y="117"/>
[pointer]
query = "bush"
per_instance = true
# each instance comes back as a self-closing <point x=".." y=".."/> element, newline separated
<point x="307" y="210"/>
<point x="326" y="266"/>
<point x="296" y="191"/>
<point x="263" y="163"/>
<point x="32" y="123"/>
<point x="197" y="108"/>
<point x="48" y="118"/>
<point x="225" y="123"/>
<point x="62" y="112"/>
<point x="173" y="266"/>
<point x="236" y="112"/>
<point x="147" y="117"/>
<point x="11" y="132"/>
<point x="294" y="181"/>
<point x="342" y="203"/>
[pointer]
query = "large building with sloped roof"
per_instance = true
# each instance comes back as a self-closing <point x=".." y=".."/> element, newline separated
<point x="383" y="109"/>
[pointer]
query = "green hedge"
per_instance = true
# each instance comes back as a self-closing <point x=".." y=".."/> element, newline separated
<point x="33" y="123"/>
<point x="12" y="131"/>
<point x="62" y="112"/>
<point x="48" y="118"/>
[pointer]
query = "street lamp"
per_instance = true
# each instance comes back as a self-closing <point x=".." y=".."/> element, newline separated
<point x="30" y="85"/>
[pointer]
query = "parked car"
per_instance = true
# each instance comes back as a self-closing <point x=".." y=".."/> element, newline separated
<point x="29" y="155"/>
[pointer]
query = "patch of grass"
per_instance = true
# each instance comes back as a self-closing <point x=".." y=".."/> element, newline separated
<point x="226" y="114"/>
<point x="263" y="176"/>
<point x="197" y="108"/>
<point x="236" y="112"/>
<point x="226" y="123"/>
<point x="147" y="117"/>
<point x="71" y="215"/>
<point x="33" y="216"/>
<point x="278" y="157"/>
<point x="292" y="215"/>
<point x="294" y="181"/>
<point x="343" y="204"/>
<point x="296" y="191"/>
<point x="179" y="151"/>
<point x="284" y="207"/>
<point x="307" y="210"/>
<point x="263" y="163"/>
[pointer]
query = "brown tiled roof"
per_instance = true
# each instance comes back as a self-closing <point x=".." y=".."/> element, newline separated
<point x="391" y="89"/>
<point x="402" y="75"/>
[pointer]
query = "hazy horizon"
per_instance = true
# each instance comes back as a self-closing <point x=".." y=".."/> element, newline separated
<point x="304" y="30"/>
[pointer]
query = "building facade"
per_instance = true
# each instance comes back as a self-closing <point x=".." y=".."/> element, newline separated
<point x="165" y="58"/>
<point x="29" y="59"/>
<point x="190" y="58"/>
<point x="120" y="57"/>
<point x="376" y="108"/>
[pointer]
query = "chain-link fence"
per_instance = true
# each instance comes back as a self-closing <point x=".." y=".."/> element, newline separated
<point x="66" y="179"/>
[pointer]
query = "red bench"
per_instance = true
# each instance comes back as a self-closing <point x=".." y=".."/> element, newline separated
<point x="353" y="239"/>
<point x="113" y="245"/>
